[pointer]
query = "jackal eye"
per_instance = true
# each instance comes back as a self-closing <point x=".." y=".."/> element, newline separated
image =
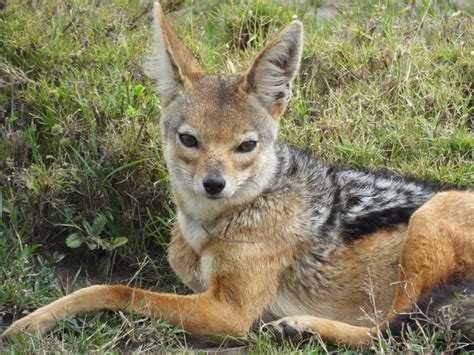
<point x="188" y="140"/>
<point x="247" y="146"/>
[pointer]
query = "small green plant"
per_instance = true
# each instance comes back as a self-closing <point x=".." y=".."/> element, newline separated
<point x="92" y="236"/>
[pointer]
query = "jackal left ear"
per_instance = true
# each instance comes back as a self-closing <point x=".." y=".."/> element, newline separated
<point x="272" y="73"/>
<point x="173" y="67"/>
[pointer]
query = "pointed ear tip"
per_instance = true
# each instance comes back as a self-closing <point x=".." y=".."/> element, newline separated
<point x="157" y="9"/>
<point x="294" y="29"/>
<point x="296" y="25"/>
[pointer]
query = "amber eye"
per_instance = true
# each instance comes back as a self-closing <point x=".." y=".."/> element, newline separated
<point x="247" y="146"/>
<point x="188" y="140"/>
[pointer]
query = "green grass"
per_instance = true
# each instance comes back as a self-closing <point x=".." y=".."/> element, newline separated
<point x="84" y="190"/>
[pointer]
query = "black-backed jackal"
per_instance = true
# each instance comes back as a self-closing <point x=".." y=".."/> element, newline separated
<point x="266" y="231"/>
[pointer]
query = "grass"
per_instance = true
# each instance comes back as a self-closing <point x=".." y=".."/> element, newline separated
<point x="84" y="190"/>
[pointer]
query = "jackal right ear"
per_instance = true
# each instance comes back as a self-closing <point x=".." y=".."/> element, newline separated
<point x="272" y="73"/>
<point x="173" y="67"/>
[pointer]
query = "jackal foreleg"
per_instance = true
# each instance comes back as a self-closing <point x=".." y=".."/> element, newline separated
<point x="200" y="314"/>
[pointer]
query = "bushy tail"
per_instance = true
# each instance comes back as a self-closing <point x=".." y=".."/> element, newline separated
<point x="449" y="309"/>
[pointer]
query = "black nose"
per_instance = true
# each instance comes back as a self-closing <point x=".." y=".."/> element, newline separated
<point x="213" y="184"/>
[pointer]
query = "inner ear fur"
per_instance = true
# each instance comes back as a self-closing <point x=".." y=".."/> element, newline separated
<point x="271" y="75"/>
<point x="173" y="66"/>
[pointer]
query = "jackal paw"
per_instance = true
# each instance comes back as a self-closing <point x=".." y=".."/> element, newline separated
<point x="36" y="323"/>
<point x="290" y="328"/>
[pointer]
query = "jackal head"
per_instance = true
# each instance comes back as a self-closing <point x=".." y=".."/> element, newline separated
<point x="219" y="132"/>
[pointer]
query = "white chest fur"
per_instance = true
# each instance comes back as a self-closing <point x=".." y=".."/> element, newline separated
<point x="206" y="267"/>
<point x="196" y="236"/>
<point x="192" y="232"/>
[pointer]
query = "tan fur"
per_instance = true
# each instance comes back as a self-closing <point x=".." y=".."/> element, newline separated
<point x="239" y="253"/>
<point x="368" y="288"/>
<point x="439" y="243"/>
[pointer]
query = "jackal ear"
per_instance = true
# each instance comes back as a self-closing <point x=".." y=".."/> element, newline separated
<point x="173" y="67"/>
<point x="272" y="73"/>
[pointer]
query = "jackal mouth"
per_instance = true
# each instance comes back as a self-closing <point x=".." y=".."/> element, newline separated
<point x="214" y="197"/>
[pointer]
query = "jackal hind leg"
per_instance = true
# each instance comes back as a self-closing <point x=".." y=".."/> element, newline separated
<point x="439" y="245"/>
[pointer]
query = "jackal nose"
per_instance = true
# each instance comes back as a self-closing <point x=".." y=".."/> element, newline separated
<point x="213" y="184"/>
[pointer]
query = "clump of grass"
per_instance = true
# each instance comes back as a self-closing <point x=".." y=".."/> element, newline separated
<point x="78" y="132"/>
<point x="246" y="27"/>
<point x="382" y="85"/>
<point x="389" y="87"/>
<point x="79" y="147"/>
